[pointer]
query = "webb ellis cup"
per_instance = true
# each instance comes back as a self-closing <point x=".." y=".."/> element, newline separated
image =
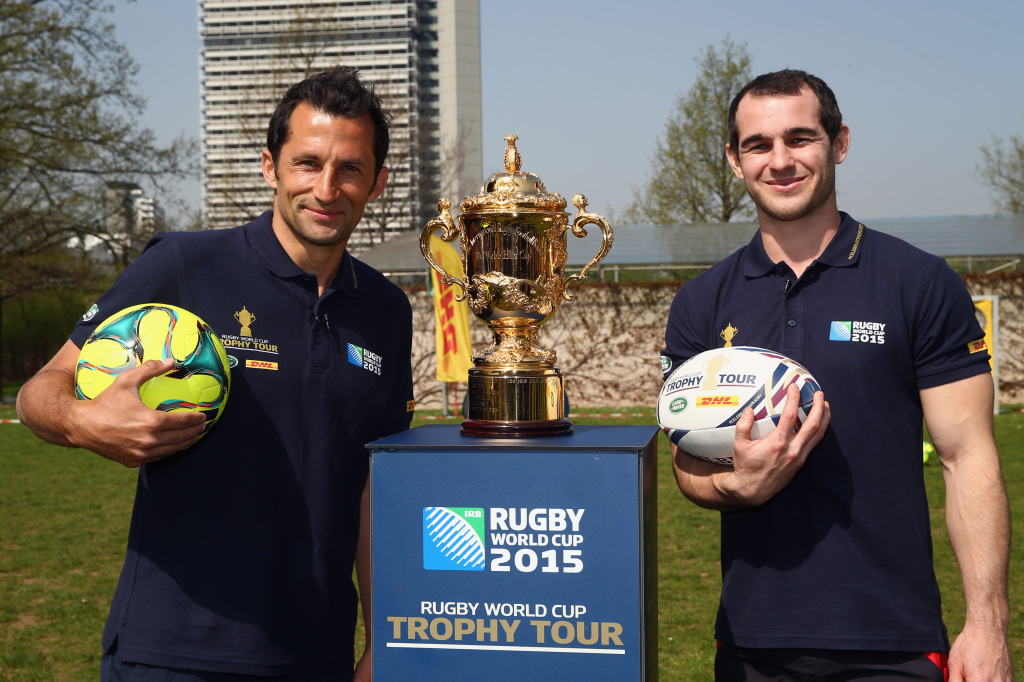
<point x="512" y="238"/>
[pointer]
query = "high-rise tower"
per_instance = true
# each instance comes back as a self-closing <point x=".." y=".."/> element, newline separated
<point x="422" y="56"/>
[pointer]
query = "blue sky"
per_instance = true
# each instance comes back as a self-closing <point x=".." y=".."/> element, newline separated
<point x="587" y="85"/>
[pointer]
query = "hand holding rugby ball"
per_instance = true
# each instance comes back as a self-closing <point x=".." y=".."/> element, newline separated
<point x="704" y="397"/>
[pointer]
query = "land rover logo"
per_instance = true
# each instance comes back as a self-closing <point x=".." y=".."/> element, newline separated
<point x="677" y="405"/>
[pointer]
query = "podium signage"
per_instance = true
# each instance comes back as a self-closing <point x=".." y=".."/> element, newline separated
<point x="508" y="559"/>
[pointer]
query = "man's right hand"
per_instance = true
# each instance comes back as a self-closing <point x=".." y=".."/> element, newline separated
<point x="115" y="424"/>
<point x="761" y="468"/>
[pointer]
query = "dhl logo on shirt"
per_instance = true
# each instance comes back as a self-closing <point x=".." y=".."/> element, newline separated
<point x="261" y="364"/>
<point x="717" y="400"/>
<point x="977" y="346"/>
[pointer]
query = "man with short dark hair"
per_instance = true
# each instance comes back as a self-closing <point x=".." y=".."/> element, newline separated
<point x="826" y="539"/>
<point x="243" y="541"/>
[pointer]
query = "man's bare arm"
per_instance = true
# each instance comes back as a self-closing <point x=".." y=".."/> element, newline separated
<point x="959" y="419"/>
<point x="115" y="424"/>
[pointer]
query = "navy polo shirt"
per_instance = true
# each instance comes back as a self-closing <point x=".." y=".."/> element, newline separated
<point x="842" y="557"/>
<point x="241" y="547"/>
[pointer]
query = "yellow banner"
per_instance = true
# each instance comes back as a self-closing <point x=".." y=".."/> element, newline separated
<point x="451" y="317"/>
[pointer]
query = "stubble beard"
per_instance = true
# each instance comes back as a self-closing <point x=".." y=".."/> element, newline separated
<point x="784" y="211"/>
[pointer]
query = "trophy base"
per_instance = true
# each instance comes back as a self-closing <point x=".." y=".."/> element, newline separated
<point x="515" y="402"/>
<point x="540" y="429"/>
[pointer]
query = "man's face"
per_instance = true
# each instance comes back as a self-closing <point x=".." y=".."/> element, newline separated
<point x="323" y="178"/>
<point x="784" y="156"/>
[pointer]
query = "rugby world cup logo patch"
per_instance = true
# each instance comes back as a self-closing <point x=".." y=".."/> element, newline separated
<point x="453" y="539"/>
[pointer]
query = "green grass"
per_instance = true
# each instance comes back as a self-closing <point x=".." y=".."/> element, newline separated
<point x="64" y="520"/>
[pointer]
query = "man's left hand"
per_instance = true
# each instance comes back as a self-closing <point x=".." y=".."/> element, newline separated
<point x="980" y="654"/>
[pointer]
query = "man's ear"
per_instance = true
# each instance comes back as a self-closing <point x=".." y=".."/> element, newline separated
<point x="269" y="172"/>
<point x="841" y="145"/>
<point x="734" y="161"/>
<point x="379" y="184"/>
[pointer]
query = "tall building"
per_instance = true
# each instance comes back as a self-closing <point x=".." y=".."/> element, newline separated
<point x="423" y="57"/>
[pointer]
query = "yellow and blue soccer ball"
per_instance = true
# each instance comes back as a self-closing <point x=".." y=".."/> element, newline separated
<point x="200" y="379"/>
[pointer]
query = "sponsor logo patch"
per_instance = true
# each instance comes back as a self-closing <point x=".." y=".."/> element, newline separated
<point x="977" y="346"/>
<point x="717" y="400"/>
<point x="261" y="364"/>
<point x="91" y="312"/>
<point x="677" y="405"/>
<point x="410" y="405"/>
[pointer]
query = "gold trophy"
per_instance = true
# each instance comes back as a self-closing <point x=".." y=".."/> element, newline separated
<point x="513" y="249"/>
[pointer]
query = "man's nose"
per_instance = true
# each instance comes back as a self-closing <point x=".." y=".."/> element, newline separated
<point x="782" y="156"/>
<point x="327" y="187"/>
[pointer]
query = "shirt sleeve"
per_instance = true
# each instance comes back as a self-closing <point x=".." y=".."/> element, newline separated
<point x="150" y="278"/>
<point x="682" y="338"/>
<point x="946" y="332"/>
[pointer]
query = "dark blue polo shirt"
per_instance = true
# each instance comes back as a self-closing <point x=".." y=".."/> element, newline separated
<point x="241" y="548"/>
<point x="842" y="557"/>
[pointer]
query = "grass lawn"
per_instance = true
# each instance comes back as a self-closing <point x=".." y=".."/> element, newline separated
<point x="64" y="519"/>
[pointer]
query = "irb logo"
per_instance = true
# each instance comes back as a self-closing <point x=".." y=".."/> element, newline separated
<point x="453" y="539"/>
<point x="718" y="400"/>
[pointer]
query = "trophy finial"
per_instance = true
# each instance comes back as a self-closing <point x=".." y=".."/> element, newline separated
<point x="513" y="161"/>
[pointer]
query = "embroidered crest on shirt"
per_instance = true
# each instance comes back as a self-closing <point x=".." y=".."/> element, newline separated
<point x="245" y="318"/>
<point x="365" y="358"/>
<point x="857" y="332"/>
<point x="728" y="334"/>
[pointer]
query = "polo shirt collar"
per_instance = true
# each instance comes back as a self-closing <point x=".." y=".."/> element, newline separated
<point x="843" y="251"/>
<point x="273" y="256"/>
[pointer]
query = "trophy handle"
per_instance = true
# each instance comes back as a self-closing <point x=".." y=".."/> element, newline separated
<point x="583" y="218"/>
<point x="442" y="221"/>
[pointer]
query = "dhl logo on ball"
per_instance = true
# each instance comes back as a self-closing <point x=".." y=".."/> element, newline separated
<point x="717" y="400"/>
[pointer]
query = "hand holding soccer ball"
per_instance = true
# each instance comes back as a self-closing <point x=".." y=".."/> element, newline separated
<point x="171" y="360"/>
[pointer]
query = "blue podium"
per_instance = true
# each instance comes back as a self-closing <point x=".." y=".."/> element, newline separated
<point x="515" y="559"/>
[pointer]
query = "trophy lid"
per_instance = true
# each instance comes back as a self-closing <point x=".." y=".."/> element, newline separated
<point x="513" y="190"/>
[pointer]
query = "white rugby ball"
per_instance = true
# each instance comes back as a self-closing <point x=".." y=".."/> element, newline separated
<point x="704" y="397"/>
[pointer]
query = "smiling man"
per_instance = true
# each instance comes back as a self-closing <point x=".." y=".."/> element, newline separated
<point x="242" y="543"/>
<point x="826" y="538"/>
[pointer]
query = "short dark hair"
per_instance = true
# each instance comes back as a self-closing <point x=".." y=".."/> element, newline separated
<point x="336" y="92"/>
<point x="789" y="83"/>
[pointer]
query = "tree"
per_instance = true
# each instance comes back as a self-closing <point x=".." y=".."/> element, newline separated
<point x="67" y="129"/>
<point x="1002" y="171"/>
<point x="690" y="180"/>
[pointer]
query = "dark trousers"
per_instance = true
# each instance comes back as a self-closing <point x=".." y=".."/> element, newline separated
<point x="739" y="664"/>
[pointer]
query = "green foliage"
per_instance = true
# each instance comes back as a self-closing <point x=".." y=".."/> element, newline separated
<point x="67" y="127"/>
<point x="690" y="180"/>
<point x="64" y="521"/>
<point x="35" y="326"/>
<point x="1002" y="171"/>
